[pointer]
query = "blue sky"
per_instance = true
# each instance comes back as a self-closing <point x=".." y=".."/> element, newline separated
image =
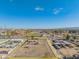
<point x="39" y="13"/>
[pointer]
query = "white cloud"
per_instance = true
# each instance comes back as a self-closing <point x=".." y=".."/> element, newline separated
<point x="11" y="0"/>
<point x="57" y="10"/>
<point x="61" y="8"/>
<point x="39" y="9"/>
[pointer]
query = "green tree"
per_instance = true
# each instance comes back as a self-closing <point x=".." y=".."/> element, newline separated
<point x="67" y="37"/>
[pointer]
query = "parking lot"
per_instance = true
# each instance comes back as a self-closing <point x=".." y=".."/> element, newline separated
<point x="7" y="45"/>
<point x="66" y="48"/>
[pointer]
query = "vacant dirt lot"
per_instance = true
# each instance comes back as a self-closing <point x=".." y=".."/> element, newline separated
<point x="33" y="48"/>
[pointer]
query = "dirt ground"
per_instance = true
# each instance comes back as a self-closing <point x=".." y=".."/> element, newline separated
<point x="33" y="48"/>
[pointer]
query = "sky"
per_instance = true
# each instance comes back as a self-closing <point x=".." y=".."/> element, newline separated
<point x="39" y="13"/>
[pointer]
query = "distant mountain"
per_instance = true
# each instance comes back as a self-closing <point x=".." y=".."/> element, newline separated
<point x="68" y="28"/>
<point x="65" y="28"/>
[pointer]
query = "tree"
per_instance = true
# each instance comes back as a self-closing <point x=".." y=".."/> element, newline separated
<point x="67" y="37"/>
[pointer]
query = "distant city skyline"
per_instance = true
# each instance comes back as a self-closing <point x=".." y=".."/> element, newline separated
<point x="39" y="14"/>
